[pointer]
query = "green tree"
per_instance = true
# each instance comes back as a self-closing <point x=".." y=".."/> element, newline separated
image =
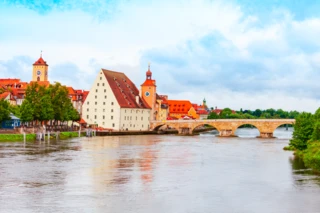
<point x="213" y="115"/>
<point x="303" y="129"/>
<point x="4" y="110"/>
<point x="15" y="109"/>
<point x="225" y="113"/>
<point x="26" y="111"/>
<point x="316" y="127"/>
<point x="46" y="111"/>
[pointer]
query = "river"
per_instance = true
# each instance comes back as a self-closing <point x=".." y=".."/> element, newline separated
<point x="157" y="173"/>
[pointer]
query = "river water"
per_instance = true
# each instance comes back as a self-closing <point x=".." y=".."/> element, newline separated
<point x="157" y="173"/>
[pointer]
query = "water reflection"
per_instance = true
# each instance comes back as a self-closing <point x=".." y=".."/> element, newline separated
<point x="157" y="173"/>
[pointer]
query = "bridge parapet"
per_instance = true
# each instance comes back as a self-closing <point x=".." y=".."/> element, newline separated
<point x="226" y="127"/>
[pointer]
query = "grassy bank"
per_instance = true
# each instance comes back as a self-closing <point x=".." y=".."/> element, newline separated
<point x="32" y="137"/>
<point x="66" y="135"/>
<point x="16" y="137"/>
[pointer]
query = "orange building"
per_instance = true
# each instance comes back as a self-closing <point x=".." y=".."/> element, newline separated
<point x="181" y="109"/>
<point x="157" y="103"/>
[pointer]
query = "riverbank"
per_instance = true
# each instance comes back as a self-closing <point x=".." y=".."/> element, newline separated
<point x="310" y="156"/>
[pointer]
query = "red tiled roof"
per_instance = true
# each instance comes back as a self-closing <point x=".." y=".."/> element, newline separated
<point x="179" y="106"/>
<point x="202" y="112"/>
<point x="40" y="61"/>
<point x="124" y="90"/>
<point x="149" y="82"/>
<point x="4" y="95"/>
<point x="72" y="93"/>
<point x="41" y="83"/>
<point x="9" y="81"/>
<point x="85" y="94"/>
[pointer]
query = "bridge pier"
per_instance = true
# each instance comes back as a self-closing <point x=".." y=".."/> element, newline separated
<point x="226" y="132"/>
<point x="266" y="135"/>
<point x="185" y="131"/>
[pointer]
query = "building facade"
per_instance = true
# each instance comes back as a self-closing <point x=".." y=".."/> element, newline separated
<point x="114" y="103"/>
<point x="157" y="103"/>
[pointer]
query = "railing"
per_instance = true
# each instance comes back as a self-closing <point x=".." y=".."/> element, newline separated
<point x="224" y="120"/>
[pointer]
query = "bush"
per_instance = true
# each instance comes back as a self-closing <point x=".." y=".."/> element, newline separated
<point x="311" y="156"/>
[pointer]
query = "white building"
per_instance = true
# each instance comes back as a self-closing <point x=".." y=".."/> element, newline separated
<point x="114" y="102"/>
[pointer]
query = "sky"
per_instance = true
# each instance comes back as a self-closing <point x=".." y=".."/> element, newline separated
<point x="249" y="54"/>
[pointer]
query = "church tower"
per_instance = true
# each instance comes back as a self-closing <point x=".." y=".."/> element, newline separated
<point x="40" y="70"/>
<point x="148" y="92"/>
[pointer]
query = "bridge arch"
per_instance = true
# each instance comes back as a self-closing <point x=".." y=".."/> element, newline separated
<point x="246" y="123"/>
<point x="202" y="124"/>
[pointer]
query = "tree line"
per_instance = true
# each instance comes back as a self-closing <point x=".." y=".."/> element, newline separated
<point x="306" y="139"/>
<point x="42" y="105"/>
<point x="227" y="113"/>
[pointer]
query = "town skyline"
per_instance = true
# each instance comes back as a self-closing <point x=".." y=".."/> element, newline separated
<point x="229" y="53"/>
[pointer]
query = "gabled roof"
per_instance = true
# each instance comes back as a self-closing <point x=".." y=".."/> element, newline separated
<point x="4" y="95"/>
<point x="9" y="81"/>
<point x="149" y="82"/>
<point x="40" y="61"/>
<point x="124" y="90"/>
<point x="179" y="106"/>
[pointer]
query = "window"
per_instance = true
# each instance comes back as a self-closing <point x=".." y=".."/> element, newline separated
<point x="105" y="97"/>
<point x="87" y="102"/>
<point x="95" y="116"/>
<point x="111" y="103"/>
<point x="95" y="97"/>
<point x="130" y="118"/>
<point x="111" y="110"/>
<point x="104" y="110"/>
<point x="103" y="117"/>
<point x="87" y="116"/>
<point x="102" y="123"/>
<point x="125" y="111"/>
<point x="125" y="117"/>
<point x="95" y="103"/>
<point x="97" y="84"/>
<point x="95" y="110"/>
<point x="142" y="118"/>
<point x="104" y="103"/>
<point x="102" y="84"/>
<point x="111" y="117"/>
<point x="123" y="125"/>
<point x="96" y="90"/>
<point x="100" y="78"/>
<point x="113" y="125"/>
<point x="136" y="118"/>
<point x="87" y="109"/>
<point x="105" y="90"/>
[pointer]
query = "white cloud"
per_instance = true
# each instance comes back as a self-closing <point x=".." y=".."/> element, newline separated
<point x="197" y="48"/>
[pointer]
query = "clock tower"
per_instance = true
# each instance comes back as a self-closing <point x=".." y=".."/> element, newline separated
<point x="40" y="70"/>
<point x="148" y="92"/>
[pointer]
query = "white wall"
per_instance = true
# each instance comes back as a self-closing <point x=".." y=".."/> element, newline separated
<point x="135" y="119"/>
<point x="101" y="106"/>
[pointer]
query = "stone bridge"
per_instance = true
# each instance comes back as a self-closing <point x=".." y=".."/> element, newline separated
<point x="226" y="127"/>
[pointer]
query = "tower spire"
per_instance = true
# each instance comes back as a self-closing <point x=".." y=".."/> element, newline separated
<point x="41" y="54"/>
<point x="149" y="66"/>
